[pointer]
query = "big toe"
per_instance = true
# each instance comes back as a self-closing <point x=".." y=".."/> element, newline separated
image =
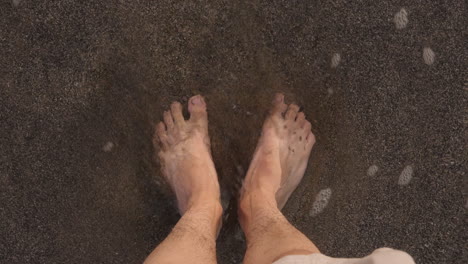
<point x="278" y="106"/>
<point x="197" y="108"/>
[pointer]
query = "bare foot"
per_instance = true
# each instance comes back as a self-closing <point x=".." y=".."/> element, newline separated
<point x="185" y="155"/>
<point x="282" y="153"/>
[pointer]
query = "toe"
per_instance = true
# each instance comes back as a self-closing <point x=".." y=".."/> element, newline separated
<point x="161" y="135"/>
<point x="161" y="130"/>
<point x="197" y="108"/>
<point x="176" y="111"/>
<point x="310" y="139"/>
<point x="292" y="112"/>
<point x="307" y="126"/>
<point x="279" y="107"/>
<point x="168" y="121"/>
<point x="300" y="119"/>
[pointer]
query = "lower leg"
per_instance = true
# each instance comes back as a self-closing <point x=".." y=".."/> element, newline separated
<point x="187" y="165"/>
<point x="269" y="234"/>
<point x="193" y="239"/>
<point x="276" y="169"/>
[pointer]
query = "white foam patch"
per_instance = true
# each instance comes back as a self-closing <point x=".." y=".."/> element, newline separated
<point x="321" y="201"/>
<point x="406" y="175"/>
<point x="372" y="170"/>
<point x="428" y="56"/>
<point x="335" y="60"/>
<point x="108" y="147"/>
<point x="401" y="19"/>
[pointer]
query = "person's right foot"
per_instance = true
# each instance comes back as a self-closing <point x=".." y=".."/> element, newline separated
<point x="185" y="155"/>
<point x="282" y="153"/>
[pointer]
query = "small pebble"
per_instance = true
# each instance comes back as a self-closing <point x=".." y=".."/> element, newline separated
<point x="108" y="147"/>
<point x="372" y="170"/>
<point x="16" y="2"/>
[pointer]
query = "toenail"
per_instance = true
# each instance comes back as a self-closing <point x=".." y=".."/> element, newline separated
<point x="279" y="98"/>
<point x="197" y="100"/>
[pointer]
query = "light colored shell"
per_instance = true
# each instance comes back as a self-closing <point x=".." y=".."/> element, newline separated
<point x="428" y="56"/>
<point x="335" y="60"/>
<point x="406" y="175"/>
<point x="401" y="19"/>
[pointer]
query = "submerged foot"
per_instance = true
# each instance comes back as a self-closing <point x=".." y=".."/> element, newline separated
<point x="282" y="153"/>
<point x="185" y="155"/>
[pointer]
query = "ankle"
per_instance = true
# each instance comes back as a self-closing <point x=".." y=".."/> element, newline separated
<point x="254" y="205"/>
<point x="205" y="202"/>
<point x="207" y="212"/>
<point x="198" y="199"/>
<point x="257" y="198"/>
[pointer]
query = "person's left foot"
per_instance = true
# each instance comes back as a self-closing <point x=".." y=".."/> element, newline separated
<point x="282" y="153"/>
<point x="185" y="155"/>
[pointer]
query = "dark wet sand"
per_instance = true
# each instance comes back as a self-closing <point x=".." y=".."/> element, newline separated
<point x="75" y="75"/>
